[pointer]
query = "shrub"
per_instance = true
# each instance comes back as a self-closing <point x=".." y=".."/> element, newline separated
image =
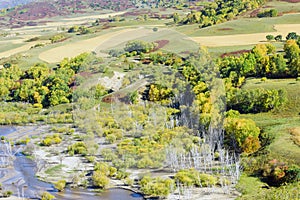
<point x="191" y="177"/>
<point x="268" y="13"/>
<point x="128" y="181"/>
<point x="156" y="187"/>
<point x="51" y="139"/>
<point x="270" y="37"/>
<point x="278" y="38"/>
<point x="100" y="179"/>
<point x="263" y="79"/>
<point x="277" y="173"/>
<point x="77" y="148"/>
<point x="60" y="185"/>
<point x="47" y="196"/>
<point x="7" y="193"/>
<point x="139" y="46"/>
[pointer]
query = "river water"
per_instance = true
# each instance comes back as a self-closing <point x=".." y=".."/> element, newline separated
<point x="5" y="130"/>
<point x="21" y="179"/>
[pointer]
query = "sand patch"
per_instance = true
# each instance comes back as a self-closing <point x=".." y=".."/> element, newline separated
<point x="114" y="83"/>
<point x="246" y="39"/>
<point x="287" y="28"/>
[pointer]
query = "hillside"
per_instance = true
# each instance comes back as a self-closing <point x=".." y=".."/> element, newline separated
<point x="33" y="11"/>
<point x="13" y="3"/>
<point x="168" y="99"/>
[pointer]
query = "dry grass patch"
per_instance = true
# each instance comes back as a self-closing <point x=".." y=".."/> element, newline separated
<point x="73" y="49"/>
<point x="295" y="135"/>
<point x="246" y="39"/>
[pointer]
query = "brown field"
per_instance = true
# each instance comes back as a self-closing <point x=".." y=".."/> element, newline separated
<point x="245" y="39"/>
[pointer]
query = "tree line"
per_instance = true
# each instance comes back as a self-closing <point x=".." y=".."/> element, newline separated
<point x="217" y="12"/>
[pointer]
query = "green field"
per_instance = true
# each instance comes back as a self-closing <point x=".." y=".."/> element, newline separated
<point x="240" y="26"/>
<point x="9" y="46"/>
<point x="279" y="121"/>
<point x="283" y="7"/>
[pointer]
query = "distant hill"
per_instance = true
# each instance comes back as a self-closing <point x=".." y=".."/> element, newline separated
<point x="32" y="10"/>
<point x="13" y="3"/>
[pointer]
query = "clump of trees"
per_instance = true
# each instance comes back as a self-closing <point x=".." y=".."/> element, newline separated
<point x="263" y="61"/>
<point x="40" y="85"/>
<point x="268" y="13"/>
<point x="57" y="38"/>
<point x="79" y="29"/>
<point x="255" y="100"/>
<point x="217" y="12"/>
<point x="138" y="47"/>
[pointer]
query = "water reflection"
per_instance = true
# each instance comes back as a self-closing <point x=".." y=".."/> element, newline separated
<point x="112" y="194"/>
<point x="5" y="130"/>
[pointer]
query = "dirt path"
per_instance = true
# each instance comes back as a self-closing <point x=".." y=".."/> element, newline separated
<point x="246" y="39"/>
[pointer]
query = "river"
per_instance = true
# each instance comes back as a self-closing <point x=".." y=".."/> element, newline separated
<point x="22" y="180"/>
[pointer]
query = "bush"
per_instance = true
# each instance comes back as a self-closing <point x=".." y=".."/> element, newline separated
<point x="191" y="177"/>
<point x="51" y="139"/>
<point x="47" y="196"/>
<point x="270" y="37"/>
<point x="7" y="193"/>
<point x="100" y="179"/>
<point x="156" y="187"/>
<point x="77" y="148"/>
<point x="278" y="173"/>
<point x="263" y="79"/>
<point x="268" y="13"/>
<point x="139" y="46"/>
<point x="60" y="185"/>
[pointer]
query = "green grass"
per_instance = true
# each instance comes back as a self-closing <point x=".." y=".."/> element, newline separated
<point x="278" y="122"/>
<point x="252" y="189"/>
<point x="283" y="7"/>
<point x="178" y="42"/>
<point x="218" y="51"/>
<point x="240" y="26"/>
<point x="133" y="22"/>
<point x="54" y="170"/>
<point x="9" y="46"/>
<point x="249" y="186"/>
<point x="291" y="108"/>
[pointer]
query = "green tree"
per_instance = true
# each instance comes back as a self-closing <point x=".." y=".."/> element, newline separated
<point x="292" y="54"/>
<point x="292" y="36"/>
<point x="176" y="18"/>
<point x="270" y="37"/>
<point x="240" y="131"/>
<point x="278" y="38"/>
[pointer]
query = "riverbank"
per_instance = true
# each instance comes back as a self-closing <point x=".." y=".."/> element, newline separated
<point x="53" y="163"/>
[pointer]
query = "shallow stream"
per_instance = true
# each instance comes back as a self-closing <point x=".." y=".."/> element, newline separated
<point x="22" y="181"/>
